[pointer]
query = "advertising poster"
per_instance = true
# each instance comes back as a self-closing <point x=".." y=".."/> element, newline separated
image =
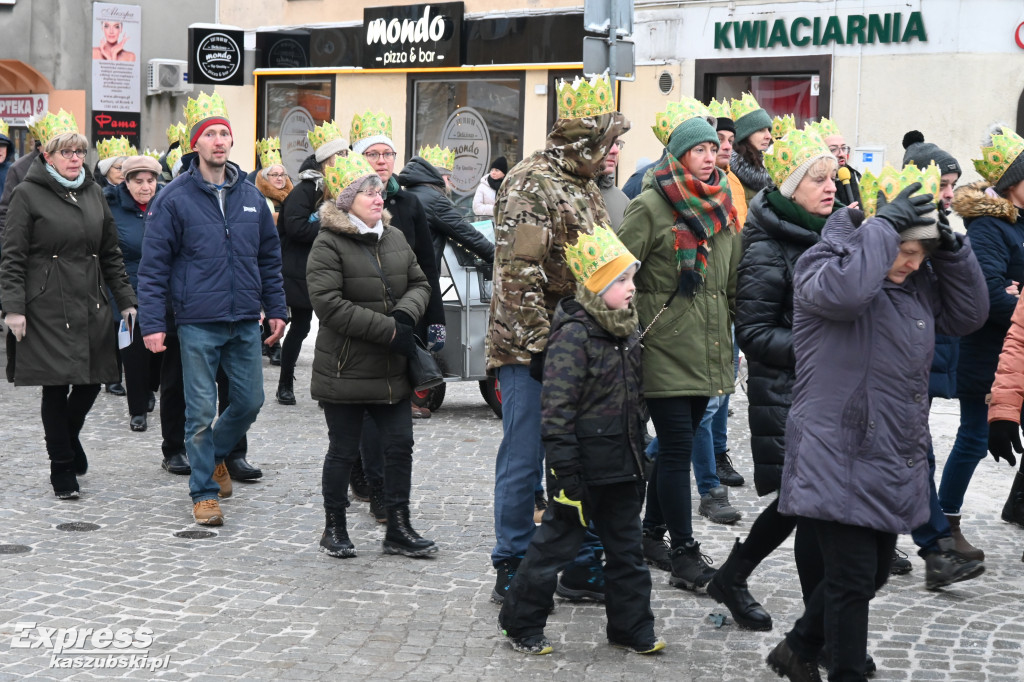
<point x="116" y="49"/>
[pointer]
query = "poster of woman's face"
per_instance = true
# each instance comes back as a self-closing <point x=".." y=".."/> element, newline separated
<point x="113" y="40"/>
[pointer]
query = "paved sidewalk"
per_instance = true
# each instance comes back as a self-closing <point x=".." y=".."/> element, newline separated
<point x="257" y="601"/>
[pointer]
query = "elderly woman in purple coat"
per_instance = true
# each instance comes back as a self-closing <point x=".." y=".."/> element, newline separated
<point x="868" y="300"/>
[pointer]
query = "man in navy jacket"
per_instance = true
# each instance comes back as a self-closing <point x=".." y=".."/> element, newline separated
<point x="211" y="248"/>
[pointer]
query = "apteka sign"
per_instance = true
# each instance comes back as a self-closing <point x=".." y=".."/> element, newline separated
<point x="413" y="36"/>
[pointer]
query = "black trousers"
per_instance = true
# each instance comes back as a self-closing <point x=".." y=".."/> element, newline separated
<point x="856" y="561"/>
<point x="616" y="518"/>
<point x="769" y="530"/>
<point x="63" y="410"/>
<point x="141" y="373"/>
<point x="298" y="330"/>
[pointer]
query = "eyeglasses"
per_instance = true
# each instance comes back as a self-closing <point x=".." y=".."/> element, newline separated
<point x="117" y="167"/>
<point x="373" y="156"/>
<point x="621" y="144"/>
<point x="80" y="153"/>
<point x="372" y="193"/>
<point x="276" y="175"/>
<point x="834" y="148"/>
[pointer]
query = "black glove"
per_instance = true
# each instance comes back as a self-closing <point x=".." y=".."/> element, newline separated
<point x="1003" y="433"/>
<point x="403" y="343"/>
<point x="905" y="211"/>
<point x="947" y="240"/>
<point x="572" y="502"/>
<point x="537" y="365"/>
<point x="403" y="317"/>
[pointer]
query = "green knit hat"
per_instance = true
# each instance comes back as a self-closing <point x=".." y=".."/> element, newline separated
<point x="749" y="116"/>
<point x="689" y="134"/>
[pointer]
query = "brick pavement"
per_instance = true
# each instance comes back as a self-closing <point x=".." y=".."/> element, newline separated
<point x="259" y="602"/>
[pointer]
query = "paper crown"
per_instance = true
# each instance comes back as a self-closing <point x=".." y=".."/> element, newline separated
<point x="782" y="125"/>
<point x="173" y="157"/>
<point x="52" y="125"/>
<point x="720" y="109"/>
<point x="996" y="160"/>
<point x="322" y="134"/>
<point x="203" y="107"/>
<point x="5" y="129"/>
<point x="439" y="157"/>
<point x="177" y="132"/>
<point x="891" y="182"/>
<point x="269" y="149"/>
<point x="792" y="151"/>
<point x="746" y="104"/>
<point x="597" y="259"/>
<point x="369" y="124"/>
<point x="677" y="112"/>
<point x="152" y="153"/>
<point x="345" y="171"/>
<point x="583" y="99"/>
<point x="826" y="127"/>
<point x="115" y="146"/>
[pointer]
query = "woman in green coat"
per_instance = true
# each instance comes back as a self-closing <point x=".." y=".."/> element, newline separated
<point x="683" y="229"/>
<point x="60" y="253"/>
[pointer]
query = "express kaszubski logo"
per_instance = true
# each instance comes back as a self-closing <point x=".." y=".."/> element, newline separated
<point x="87" y="647"/>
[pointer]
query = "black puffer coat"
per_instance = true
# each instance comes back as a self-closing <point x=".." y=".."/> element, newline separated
<point x="764" y="331"/>
<point x="297" y="232"/>
<point x="408" y="215"/>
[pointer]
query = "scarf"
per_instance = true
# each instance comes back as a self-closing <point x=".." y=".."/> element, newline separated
<point x="702" y="210"/>
<point x="391" y="189"/>
<point x="792" y="212"/>
<point x="362" y="228"/>
<point x="495" y="184"/>
<point x="618" y="323"/>
<point x="754" y="177"/>
<point x="64" y="182"/>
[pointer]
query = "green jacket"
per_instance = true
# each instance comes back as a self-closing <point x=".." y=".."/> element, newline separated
<point x="352" y="361"/>
<point x="688" y="351"/>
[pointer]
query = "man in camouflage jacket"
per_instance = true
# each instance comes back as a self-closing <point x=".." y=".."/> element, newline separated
<point x="544" y="203"/>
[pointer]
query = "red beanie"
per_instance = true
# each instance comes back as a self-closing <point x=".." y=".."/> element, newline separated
<point x="198" y="128"/>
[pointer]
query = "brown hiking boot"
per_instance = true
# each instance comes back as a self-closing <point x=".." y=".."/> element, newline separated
<point x="222" y="478"/>
<point x="963" y="547"/>
<point x="207" y="513"/>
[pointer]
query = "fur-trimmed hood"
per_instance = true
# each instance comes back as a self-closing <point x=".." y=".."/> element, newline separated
<point x="269" y="191"/>
<point x="335" y="220"/>
<point x="972" y="201"/>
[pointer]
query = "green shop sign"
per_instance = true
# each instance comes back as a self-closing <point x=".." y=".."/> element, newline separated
<point x="858" y="29"/>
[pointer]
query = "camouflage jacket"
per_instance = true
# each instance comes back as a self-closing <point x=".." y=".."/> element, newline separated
<point x="591" y="399"/>
<point x="544" y="203"/>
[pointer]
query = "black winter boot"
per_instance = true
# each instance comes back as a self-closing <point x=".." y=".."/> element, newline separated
<point x="729" y="587"/>
<point x="727" y="474"/>
<point x="400" y="538"/>
<point x="357" y="481"/>
<point x="286" y="390"/>
<point x="377" y="507"/>
<point x="787" y="664"/>
<point x="63" y="480"/>
<point x="1013" y="510"/>
<point x="691" y="569"/>
<point x="656" y="549"/>
<point x="334" y="541"/>
<point x="948" y="566"/>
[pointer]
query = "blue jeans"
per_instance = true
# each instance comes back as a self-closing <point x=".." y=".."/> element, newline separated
<point x="970" y="447"/>
<point x="705" y="445"/>
<point x="926" y="536"/>
<point x="235" y="347"/>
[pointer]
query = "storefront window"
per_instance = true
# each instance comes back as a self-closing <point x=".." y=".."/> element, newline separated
<point x="480" y="118"/>
<point x="781" y="85"/>
<point x="291" y="108"/>
<point x="778" y="95"/>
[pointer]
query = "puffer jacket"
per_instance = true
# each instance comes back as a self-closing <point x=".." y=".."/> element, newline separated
<point x="297" y="231"/>
<point x="131" y="226"/>
<point x="353" y="361"/>
<point x="591" y="399"/>
<point x="857" y="438"/>
<point x="752" y="178"/>
<point x="544" y="203"/>
<point x="996" y="229"/>
<point x="483" y="200"/>
<point x="1008" y="387"/>
<point x="409" y="216"/>
<point x="764" y="331"/>
<point x="422" y="180"/>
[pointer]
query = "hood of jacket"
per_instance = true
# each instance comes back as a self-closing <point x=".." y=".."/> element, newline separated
<point x="764" y="223"/>
<point x="38" y="174"/>
<point x="971" y="201"/>
<point x="333" y="219"/>
<point x="269" y="191"/>
<point x="578" y="145"/>
<point x="750" y="175"/>
<point x="420" y="172"/>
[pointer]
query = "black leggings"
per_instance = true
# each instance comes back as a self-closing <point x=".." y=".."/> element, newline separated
<point x="302" y="320"/>
<point x="63" y="414"/>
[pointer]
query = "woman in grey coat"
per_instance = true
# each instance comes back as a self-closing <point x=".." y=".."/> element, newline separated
<point x="856" y="471"/>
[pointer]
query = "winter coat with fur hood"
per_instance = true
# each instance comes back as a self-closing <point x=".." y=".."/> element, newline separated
<point x="275" y="197"/>
<point x="353" y="361"/>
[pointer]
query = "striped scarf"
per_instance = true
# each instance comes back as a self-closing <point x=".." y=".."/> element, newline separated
<point x="702" y="210"/>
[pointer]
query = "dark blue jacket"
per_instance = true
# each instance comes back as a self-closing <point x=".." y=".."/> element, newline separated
<point x="131" y="225"/>
<point x="214" y="266"/>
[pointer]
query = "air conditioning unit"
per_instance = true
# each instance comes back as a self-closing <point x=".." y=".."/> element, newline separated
<point x="167" y="75"/>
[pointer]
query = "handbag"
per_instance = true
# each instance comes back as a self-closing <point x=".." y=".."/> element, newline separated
<point x="423" y="371"/>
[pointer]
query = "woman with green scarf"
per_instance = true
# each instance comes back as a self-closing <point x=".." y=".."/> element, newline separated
<point x="683" y="229"/>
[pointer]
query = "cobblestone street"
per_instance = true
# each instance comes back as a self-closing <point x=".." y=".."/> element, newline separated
<point x="257" y="601"/>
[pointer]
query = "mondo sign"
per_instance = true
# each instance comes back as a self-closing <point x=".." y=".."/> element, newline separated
<point x="413" y="36"/>
<point x="215" y="56"/>
<point x="465" y="133"/>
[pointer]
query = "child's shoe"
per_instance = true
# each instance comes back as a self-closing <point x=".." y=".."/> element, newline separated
<point x="536" y="645"/>
<point x="654" y="645"/>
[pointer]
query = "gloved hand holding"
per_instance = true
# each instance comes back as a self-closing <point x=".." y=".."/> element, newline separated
<point x="1002" y="434"/>
<point x="947" y="240"/>
<point x="435" y="338"/>
<point x="537" y="365"/>
<point x="314" y="217"/>
<point x="402" y="342"/>
<point x="572" y="502"/>
<point x="905" y="211"/>
<point x="16" y="323"/>
<point x="129" y="312"/>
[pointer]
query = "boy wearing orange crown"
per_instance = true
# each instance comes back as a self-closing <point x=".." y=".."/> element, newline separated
<point x="593" y="439"/>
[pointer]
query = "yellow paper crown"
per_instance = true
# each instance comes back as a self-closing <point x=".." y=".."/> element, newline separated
<point x="744" y="105"/>
<point x="826" y="127"/>
<point x="597" y="259"/>
<point x="792" y="151"/>
<point x="676" y="113"/>
<point x="152" y="153"/>
<point x="368" y="125"/>
<point x="203" y="107"/>
<point x="996" y="160"/>
<point x="269" y="149"/>
<point x="720" y="108"/>
<point x="322" y="134"/>
<point x="439" y="157"/>
<point x="5" y="129"/>
<point x="782" y="125"/>
<point x="583" y="99"/>
<point x="115" y="146"/>
<point x="173" y="157"/>
<point x="53" y="125"/>
<point x="176" y="133"/>
<point x="891" y="182"/>
<point x="345" y="171"/>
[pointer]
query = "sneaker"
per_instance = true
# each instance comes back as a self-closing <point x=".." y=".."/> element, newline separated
<point x="582" y="582"/>
<point x="714" y="504"/>
<point x="506" y="571"/>
<point x="900" y="563"/>
<point x="540" y="505"/>
<point x="691" y="568"/>
<point x="787" y="664"/>
<point x="656" y="548"/>
<point x="727" y="474"/>
<point x="653" y="646"/>
<point x="948" y="566"/>
<point x="537" y="645"/>
<point x="222" y="478"/>
<point x="207" y="513"/>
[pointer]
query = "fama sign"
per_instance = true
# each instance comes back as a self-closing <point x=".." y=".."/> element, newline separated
<point x="860" y="29"/>
<point x="413" y="36"/>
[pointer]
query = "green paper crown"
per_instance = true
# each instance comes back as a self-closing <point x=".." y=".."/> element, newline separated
<point x="269" y="149"/>
<point x="177" y="132"/>
<point x="782" y="125"/>
<point x="322" y="134"/>
<point x="891" y="182"/>
<point x="826" y="127"/>
<point x="115" y="146"/>
<point x="204" y="107"/>
<point x="584" y="99"/>
<point x="746" y="104"/>
<point x="368" y="125"/>
<point x="996" y="160"/>
<point x="53" y="125"/>
<point x="345" y="171"/>
<point x="591" y="252"/>
<point x="152" y="153"/>
<point x="720" y="108"/>
<point x="173" y="157"/>
<point x="676" y="113"/>
<point x="5" y="129"/>
<point x="439" y="157"/>
<point x="792" y="151"/>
